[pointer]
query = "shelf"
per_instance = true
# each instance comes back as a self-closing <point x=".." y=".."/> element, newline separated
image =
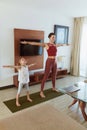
<point x="38" y="76"/>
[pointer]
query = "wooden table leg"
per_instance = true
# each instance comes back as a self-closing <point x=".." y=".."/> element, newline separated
<point x="74" y="101"/>
<point x="82" y="106"/>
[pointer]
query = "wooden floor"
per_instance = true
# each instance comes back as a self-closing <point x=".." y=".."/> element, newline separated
<point x="61" y="103"/>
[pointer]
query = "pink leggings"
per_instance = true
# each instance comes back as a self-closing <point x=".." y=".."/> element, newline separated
<point x="51" y="65"/>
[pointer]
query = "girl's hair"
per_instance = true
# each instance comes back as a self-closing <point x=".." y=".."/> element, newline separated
<point x="50" y="34"/>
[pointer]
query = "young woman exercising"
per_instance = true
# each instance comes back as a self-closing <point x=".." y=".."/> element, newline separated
<point x="51" y="64"/>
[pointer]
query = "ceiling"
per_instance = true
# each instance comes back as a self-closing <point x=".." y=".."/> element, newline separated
<point x="72" y="8"/>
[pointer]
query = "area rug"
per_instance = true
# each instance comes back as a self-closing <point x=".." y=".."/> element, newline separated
<point x="43" y="117"/>
<point x="35" y="97"/>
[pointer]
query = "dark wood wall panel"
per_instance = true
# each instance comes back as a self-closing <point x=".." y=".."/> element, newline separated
<point x="27" y="34"/>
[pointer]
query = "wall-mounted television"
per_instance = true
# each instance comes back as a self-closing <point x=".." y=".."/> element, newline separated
<point x="30" y="50"/>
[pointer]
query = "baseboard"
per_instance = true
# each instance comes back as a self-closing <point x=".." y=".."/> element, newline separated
<point x="12" y="86"/>
<point x="7" y="87"/>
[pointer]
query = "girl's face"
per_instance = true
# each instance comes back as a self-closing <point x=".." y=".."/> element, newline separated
<point x="22" y="61"/>
<point x="52" y="38"/>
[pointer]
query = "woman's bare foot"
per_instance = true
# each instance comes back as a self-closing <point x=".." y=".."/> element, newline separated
<point x="55" y="90"/>
<point x="18" y="104"/>
<point x="42" y="95"/>
<point x="29" y="99"/>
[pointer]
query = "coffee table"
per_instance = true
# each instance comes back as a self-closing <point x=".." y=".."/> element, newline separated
<point x="79" y="93"/>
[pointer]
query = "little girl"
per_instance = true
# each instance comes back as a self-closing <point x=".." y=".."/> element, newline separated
<point x="23" y="78"/>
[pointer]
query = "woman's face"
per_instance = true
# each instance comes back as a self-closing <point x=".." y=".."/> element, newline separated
<point x="52" y="38"/>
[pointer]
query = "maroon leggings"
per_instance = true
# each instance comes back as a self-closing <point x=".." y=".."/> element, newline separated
<point x="51" y="65"/>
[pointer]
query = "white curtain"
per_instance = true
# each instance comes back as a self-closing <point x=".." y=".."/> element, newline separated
<point x="83" y="50"/>
<point x="77" y="33"/>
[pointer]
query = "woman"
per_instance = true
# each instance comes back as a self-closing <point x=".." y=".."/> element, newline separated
<point x="51" y="64"/>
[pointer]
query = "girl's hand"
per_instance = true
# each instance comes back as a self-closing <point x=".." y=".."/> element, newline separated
<point x="33" y="64"/>
<point x="5" y="66"/>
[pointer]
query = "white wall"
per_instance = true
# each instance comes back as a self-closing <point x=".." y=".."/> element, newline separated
<point x="27" y="17"/>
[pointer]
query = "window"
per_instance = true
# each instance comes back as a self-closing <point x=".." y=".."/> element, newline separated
<point x="83" y="52"/>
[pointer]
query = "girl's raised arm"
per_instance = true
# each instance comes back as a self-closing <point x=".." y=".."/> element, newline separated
<point x="11" y="66"/>
<point x="31" y="64"/>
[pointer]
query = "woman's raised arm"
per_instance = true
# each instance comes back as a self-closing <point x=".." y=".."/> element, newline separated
<point x="34" y="43"/>
<point x="59" y="44"/>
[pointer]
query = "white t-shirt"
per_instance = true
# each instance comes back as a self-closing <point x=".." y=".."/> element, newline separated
<point x="23" y="74"/>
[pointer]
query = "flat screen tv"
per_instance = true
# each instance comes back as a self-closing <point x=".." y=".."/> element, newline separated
<point x="30" y="50"/>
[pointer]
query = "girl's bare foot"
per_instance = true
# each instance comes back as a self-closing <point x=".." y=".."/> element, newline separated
<point x="42" y="95"/>
<point x="18" y="104"/>
<point x="29" y="99"/>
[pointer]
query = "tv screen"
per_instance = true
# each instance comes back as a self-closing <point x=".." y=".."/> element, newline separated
<point x="30" y="50"/>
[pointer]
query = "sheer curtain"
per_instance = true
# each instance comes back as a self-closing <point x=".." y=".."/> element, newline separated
<point x="83" y="50"/>
<point x="75" y="56"/>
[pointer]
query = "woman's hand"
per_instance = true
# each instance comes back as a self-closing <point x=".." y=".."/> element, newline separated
<point x="24" y="42"/>
<point x="68" y="44"/>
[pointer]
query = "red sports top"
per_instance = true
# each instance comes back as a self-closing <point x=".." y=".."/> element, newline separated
<point x="52" y="49"/>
